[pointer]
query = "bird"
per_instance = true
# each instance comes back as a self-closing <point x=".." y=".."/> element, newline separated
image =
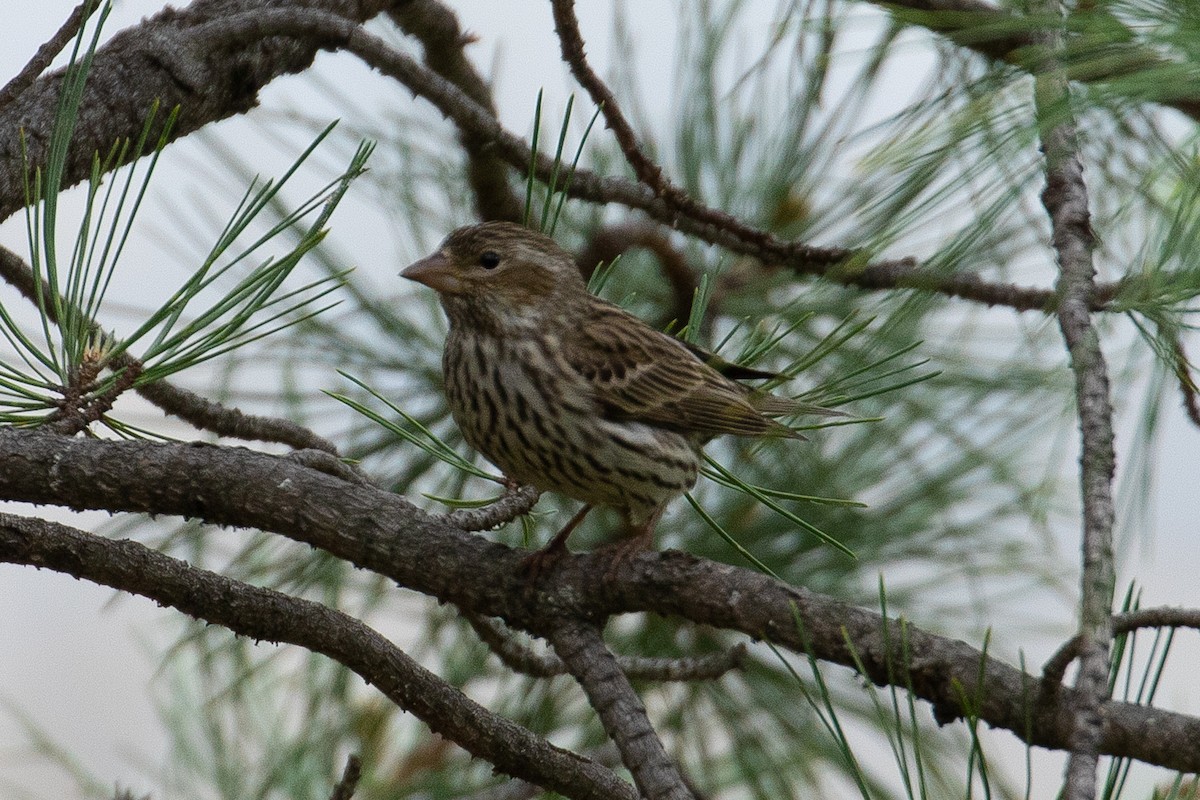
<point x="571" y="394"/>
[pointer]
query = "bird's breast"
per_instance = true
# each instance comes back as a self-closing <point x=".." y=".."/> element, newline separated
<point x="520" y="405"/>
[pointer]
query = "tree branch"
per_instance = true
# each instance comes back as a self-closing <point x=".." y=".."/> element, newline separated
<point x="1065" y="199"/>
<point x="273" y="616"/>
<point x="582" y="649"/>
<point x="380" y="531"/>
<point x="212" y="60"/>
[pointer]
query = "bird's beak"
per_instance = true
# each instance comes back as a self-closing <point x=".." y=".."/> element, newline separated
<point x="436" y="272"/>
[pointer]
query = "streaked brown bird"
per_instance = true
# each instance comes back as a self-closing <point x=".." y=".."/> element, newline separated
<point x="572" y="394"/>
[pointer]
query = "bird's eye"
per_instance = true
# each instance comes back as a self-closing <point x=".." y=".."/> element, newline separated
<point x="489" y="259"/>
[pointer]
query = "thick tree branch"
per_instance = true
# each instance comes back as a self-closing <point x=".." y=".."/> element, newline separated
<point x="383" y="532"/>
<point x="269" y="615"/>
<point x="161" y="59"/>
<point x="1065" y="199"/>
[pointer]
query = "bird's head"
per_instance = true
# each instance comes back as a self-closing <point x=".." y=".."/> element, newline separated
<point x="501" y="274"/>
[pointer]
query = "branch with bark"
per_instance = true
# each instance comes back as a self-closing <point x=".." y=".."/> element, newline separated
<point x="382" y="532"/>
<point x="177" y="51"/>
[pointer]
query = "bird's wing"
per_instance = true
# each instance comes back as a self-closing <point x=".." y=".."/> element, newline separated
<point x="643" y="375"/>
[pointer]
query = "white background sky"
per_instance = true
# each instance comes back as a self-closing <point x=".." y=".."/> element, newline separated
<point x="80" y="662"/>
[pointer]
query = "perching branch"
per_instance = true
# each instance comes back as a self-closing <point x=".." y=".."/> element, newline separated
<point x="382" y="532"/>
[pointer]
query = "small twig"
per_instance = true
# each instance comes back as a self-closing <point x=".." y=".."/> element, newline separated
<point x="515" y="502"/>
<point x="582" y="649"/>
<point x="1163" y="617"/>
<point x="1056" y="666"/>
<point x="501" y="641"/>
<point x="349" y="781"/>
<point x="330" y="464"/>
<point x="209" y="415"/>
<point x="1187" y="386"/>
<point x="648" y="172"/>
<point x="46" y="53"/>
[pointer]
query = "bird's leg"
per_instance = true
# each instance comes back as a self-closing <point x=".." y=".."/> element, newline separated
<point x="639" y="538"/>
<point x="537" y="561"/>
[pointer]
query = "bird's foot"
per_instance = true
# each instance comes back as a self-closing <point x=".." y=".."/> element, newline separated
<point x="620" y="552"/>
<point x="534" y="565"/>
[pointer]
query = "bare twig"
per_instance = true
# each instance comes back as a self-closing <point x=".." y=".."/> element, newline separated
<point x="46" y="53"/>
<point x="1056" y="665"/>
<point x="582" y="649"/>
<point x="1163" y="617"/>
<point x="209" y="415"/>
<point x="349" y="780"/>
<point x="273" y="616"/>
<point x="1065" y="199"/>
<point x="501" y="641"/>
<point x="676" y="200"/>
<point x="330" y="464"/>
